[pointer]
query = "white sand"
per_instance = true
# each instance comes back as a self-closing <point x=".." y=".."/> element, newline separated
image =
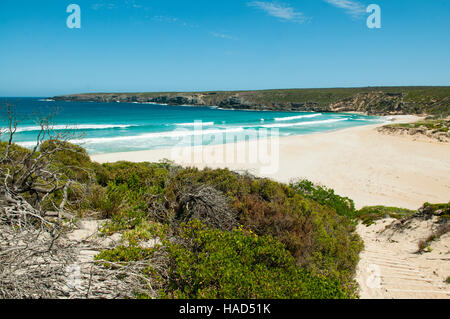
<point x="369" y="167"/>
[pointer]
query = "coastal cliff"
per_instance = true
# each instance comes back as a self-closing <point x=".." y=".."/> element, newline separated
<point x="372" y="101"/>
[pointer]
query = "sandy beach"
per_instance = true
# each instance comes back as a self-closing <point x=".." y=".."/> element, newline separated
<point x="361" y="163"/>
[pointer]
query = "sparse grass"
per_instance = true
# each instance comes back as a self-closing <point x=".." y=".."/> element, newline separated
<point x="434" y="125"/>
<point x="368" y="215"/>
<point x="424" y="245"/>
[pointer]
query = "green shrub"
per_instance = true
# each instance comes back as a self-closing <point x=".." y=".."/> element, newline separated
<point x="343" y="206"/>
<point x="17" y="153"/>
<point x="124" y="220"/>
<point x="73" y="160"/>
<point x="105" y="200"/>
<point x="368" y="215"/>
<point x="239" y="265"/>
<point x="124" y="254"/>
<point x="135" y="175"/>
<point x="146" y="230"/>
<point x="321" y="240"/>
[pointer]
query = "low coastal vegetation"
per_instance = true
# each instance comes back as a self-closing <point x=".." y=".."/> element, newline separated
<point x="436" y="125"/>
<point x="371" y="100"/>
<point x="343" y="206"/>
<point x="368" y="215"/>
<point x="294" y="246"/>
<point x="431" y="127"/>
<point x="432" y="219"/>
<point x="218" y="234"/>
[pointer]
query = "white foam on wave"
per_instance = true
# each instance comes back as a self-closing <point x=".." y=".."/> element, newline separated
<point x="170" y="134"/>
<point x="74" y="127"/>
<point x="290" y="118"/>
<point x="196" y="124"/>
<point x="303" y="123"/>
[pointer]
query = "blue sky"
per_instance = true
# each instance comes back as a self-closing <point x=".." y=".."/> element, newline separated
<point x="168" y="45"/>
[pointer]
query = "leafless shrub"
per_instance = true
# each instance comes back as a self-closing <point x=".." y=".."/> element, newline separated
<point x="35" y="264"/>
<point x="32" y="263"/>
<point x="206" y="204"/>
<point x="32" y="172"/>
<point x="115" y="280"/>
<point x="37" y="260"/>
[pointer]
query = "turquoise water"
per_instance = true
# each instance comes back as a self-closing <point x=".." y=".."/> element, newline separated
<point x="122" y="127"/>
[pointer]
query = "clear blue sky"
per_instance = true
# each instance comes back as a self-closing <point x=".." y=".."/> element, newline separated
<point x="168" y="45"/>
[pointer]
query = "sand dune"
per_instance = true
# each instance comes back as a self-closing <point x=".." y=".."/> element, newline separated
<point x="391" y="268"/>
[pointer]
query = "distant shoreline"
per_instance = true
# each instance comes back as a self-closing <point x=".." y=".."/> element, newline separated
<point x="367" y="100"/>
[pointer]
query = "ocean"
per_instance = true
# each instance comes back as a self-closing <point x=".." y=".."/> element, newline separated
<point x="122" y="127"/>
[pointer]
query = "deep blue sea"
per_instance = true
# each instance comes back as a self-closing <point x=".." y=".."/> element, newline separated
<point x="122" y="127"/>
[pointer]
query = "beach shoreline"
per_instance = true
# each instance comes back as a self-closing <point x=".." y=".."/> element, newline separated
<point x="369" y="167"/>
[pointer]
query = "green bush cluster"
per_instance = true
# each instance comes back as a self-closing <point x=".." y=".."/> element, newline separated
<point x="320" y="240"/>
<point x="305" y="231"/>
<point x="145" y="230"/>
<point x="72" y="159"/>
<point x="123" y="254"/>
<point x="239" y="264"/>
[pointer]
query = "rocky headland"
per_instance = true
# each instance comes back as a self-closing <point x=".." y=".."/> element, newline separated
<point x="372" y="101"/>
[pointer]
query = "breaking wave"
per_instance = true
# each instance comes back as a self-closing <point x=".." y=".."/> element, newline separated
<point x="290" y="118"/>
